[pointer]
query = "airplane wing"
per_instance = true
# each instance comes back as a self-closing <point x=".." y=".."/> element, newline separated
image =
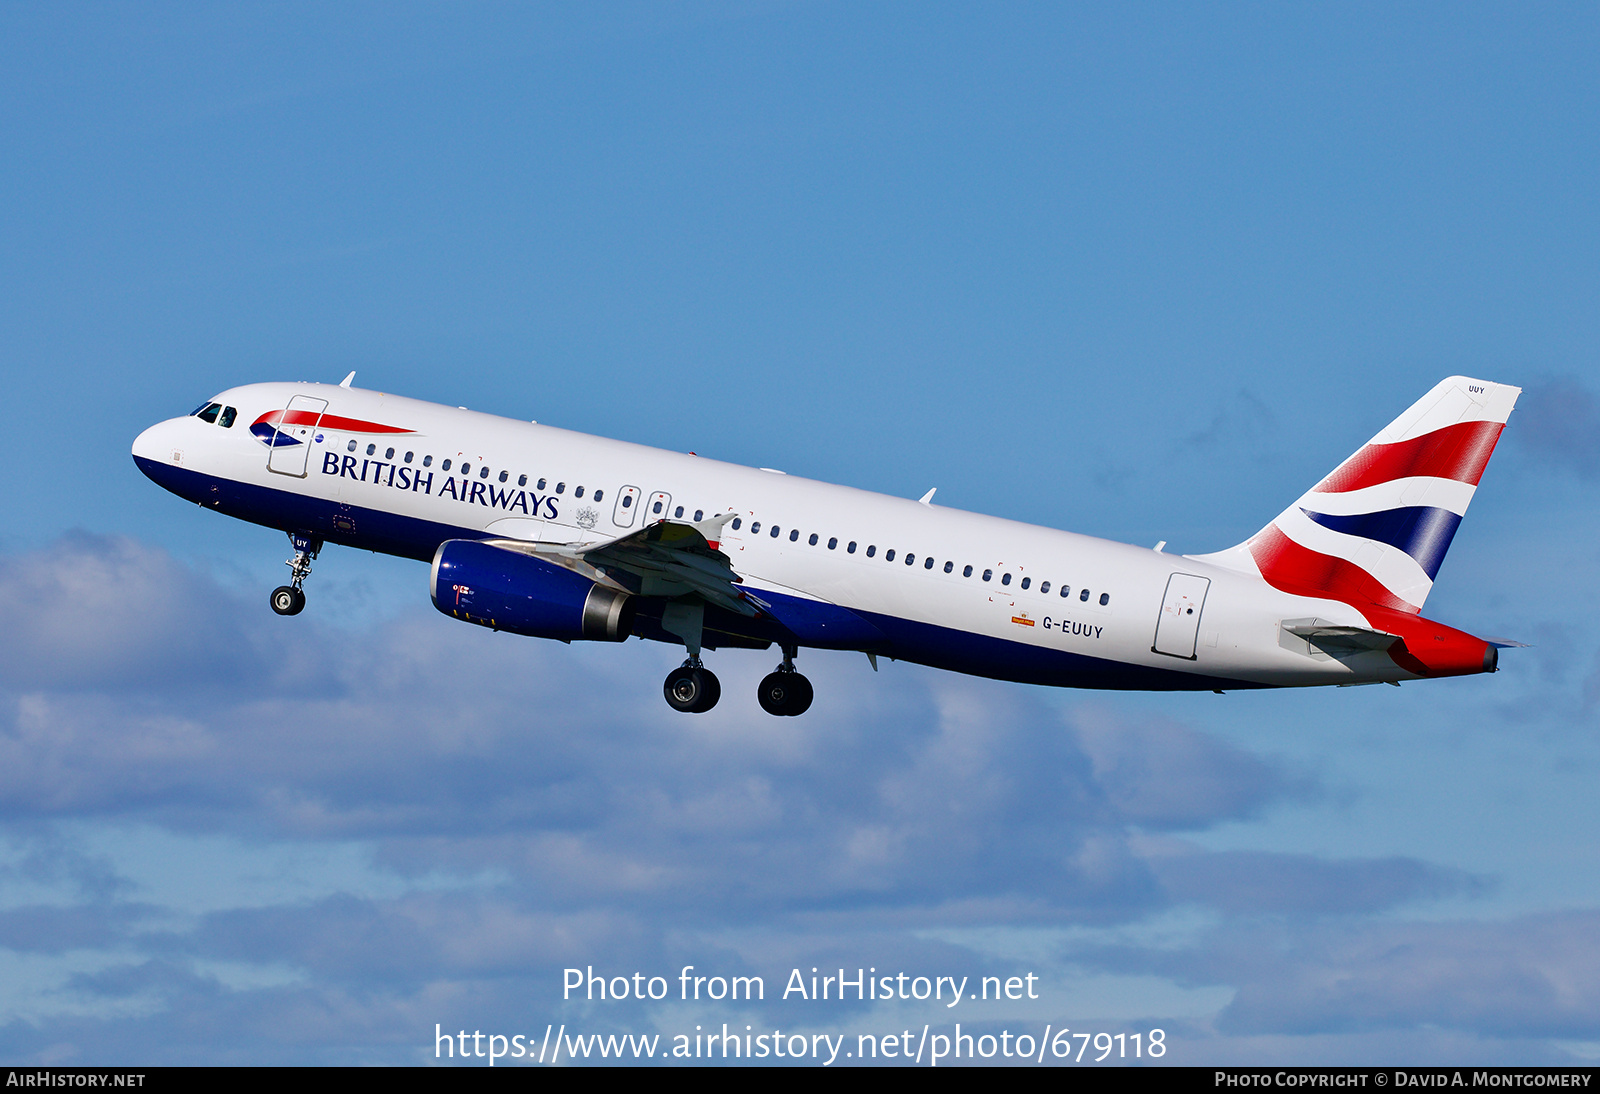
<point x="667" y="558"/>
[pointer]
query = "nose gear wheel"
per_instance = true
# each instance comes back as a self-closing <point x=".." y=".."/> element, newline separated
<point x="287" y="600"/>
<point x="290" y="599"/>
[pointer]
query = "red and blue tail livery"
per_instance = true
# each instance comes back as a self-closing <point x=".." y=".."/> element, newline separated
<point x="553" y="534"/>
<point x="1375" y="531"/>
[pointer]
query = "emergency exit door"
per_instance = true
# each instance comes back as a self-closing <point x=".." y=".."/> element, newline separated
<point x="627" y="507"/>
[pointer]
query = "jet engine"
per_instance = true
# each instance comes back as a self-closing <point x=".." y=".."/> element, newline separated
<point x="508" y="590"/>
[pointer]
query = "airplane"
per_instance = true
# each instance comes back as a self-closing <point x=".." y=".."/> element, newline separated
<point x="545" y="532"/>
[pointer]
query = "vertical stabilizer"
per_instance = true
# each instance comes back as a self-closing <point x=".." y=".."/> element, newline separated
<point x="1376" y="530"/>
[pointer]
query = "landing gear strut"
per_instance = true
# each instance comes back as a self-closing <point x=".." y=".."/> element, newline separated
<point x="785" y="692"/>
<point x="290" y="599"/>
<point x="692" y="688"/>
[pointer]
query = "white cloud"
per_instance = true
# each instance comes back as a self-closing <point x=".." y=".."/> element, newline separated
<point x="339" y="839"/>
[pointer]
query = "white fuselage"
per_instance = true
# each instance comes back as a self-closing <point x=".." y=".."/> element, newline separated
<point x="407" y="503"/>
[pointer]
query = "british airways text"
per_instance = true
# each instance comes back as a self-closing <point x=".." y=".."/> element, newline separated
<point x="401" y="477"/>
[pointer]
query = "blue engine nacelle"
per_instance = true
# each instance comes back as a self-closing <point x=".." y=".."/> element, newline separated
<point x="511" y="591"/>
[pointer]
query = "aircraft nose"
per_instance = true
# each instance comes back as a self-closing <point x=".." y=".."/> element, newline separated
<point x="155" y="446"/>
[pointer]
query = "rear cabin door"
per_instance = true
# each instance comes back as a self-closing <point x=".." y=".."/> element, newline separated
<point x="291" y="444"/>
<point x="1179" y="624"/>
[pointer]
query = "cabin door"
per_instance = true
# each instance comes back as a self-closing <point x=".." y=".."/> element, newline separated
<point x="291" y="443"/>
<point x="1179" y="624"/>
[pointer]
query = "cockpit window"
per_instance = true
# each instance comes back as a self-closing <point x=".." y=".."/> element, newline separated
<point x="229" y="413"/>
<point x="209" y="412"/>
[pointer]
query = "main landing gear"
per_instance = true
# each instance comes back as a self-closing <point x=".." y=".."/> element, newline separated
<point x="290" y="599"/>
<point x="692" y="688"/>
<point x="785" y="692"/>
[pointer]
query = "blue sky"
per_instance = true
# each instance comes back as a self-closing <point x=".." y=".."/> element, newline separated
<point x="1141" y="271"/>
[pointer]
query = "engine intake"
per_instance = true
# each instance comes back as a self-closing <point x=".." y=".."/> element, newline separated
<point x="510" y="591"/>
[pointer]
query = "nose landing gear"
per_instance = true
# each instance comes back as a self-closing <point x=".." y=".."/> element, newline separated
<point x="290" y="599"/>
<point x="784" y="692"/>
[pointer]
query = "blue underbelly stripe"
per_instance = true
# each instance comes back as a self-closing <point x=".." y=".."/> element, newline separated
<point x="903" y="639"/>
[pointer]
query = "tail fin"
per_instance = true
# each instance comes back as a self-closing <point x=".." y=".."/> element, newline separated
<point x="1377" y="528"/>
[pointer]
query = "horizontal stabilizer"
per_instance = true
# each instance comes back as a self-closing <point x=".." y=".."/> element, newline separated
<point x="1339" y="641"/>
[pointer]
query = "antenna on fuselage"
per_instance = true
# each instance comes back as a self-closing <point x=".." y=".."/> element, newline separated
<point x="346" y="381"/>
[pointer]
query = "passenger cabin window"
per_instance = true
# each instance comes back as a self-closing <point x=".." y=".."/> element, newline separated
<point x="372" y="450"/>
<point x="656" y="509"/>
<point x="775" y="531"/>
<point x="561" y="488"/>
<point x="504" y="475"/>
<point x="948" y="566"/>
<point x="578" y="493"/>
<point x="445" y="466"/>
<point x="927" y="563"/>
<point x="872" y="549"/>
<point x="1105" y="598"/>
<point x="813" y="539"/>
<point x="735" y="524"/>
<point x="851" y="549"/>
<point x="408" y="457"/>
<point x="483" y="472"/>
<point x="678" y="512"/>
<point x="1084" y="596"/>
<point x="794" y="535"/>
<point x="627" y="501"/>
<point x="1026" y="581"/>
<point x="427" y="461"/>
<point x="539" y="485"/>
<point x="228" y="415"/>
<point x="699" y="515"/>
<point x="351" y="447"/>
<point x="888" y="556"/>
<point x="987" y="574"/>
<point x="1005" y="579"/>
<point x="910" y="558"/>
<point x="522" y="480"/>
<point x="389" y="455"/>
<point x="1044" y="588"/>
<point x="755" y="527"/>
<point x="599" y="495"/>
<point x="1066" y="591"/>
<point x="833" y="543"/>
<point x="966" y="571"/>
